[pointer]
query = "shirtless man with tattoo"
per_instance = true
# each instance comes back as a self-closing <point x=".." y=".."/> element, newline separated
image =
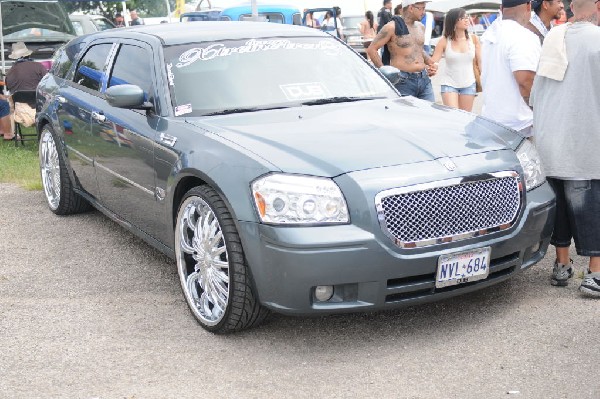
<point x="405" y="44"/>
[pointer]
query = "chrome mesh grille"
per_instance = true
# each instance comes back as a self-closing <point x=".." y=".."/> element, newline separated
<point x="449" y="211"/>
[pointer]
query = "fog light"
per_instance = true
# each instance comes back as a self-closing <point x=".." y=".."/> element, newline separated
<point x="323" y="292"/>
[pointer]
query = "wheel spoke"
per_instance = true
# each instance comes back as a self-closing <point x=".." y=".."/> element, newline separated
<point x="219" y="264"/>
<point x="218" y="281"/>
<point x="185" y="246"/>
<point x="216" y="239"/>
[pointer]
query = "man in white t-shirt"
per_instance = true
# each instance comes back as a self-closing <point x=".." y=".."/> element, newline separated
<point x="510" y="56"/>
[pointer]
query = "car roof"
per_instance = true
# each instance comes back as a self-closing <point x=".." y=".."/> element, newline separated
<point x="181" y="33"/>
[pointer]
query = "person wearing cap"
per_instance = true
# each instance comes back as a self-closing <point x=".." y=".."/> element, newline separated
<point x="384" y="15"/>
<point x="567" y="81"/>
<point x="510" y="56"/>
<point x="403" y="39"/>
<point x="25" y="74"/>
<point x="544" y="12"/>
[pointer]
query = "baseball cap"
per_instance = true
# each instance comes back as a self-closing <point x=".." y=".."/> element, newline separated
<point x="535" y="4"/>
<point x="513" y="3"/>
<point x="406" y="3"/>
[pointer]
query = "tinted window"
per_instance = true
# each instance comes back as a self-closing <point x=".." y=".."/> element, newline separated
<point x="266" y="16"/>
<point x="102" y="23"/>
<point x="92" y="67"/>
<point x="128" y="64"/>
<point x="297" y="19"/>
<point x="78" y="27"/>
<point x="61" y="63"/>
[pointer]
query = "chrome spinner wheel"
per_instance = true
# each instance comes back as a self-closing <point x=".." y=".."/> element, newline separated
<point x="202" y="260"/>
<point x="50" y="169"/>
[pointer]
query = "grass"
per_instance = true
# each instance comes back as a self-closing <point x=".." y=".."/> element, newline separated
<point x="20" y="165"/>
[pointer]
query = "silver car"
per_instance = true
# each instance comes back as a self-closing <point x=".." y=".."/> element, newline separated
<point x="278" y="182"/>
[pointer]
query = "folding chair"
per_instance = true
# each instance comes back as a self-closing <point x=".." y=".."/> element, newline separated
<point x="27" y="97"/>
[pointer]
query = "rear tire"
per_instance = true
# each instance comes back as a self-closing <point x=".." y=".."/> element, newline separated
<point x="58" y="188"/>
<point x="213" y="272"/>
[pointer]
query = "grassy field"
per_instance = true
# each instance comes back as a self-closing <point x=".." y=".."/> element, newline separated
<point x="19" y="165"/>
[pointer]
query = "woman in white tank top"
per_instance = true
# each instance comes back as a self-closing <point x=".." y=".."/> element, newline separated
<point x="459" y="49"/>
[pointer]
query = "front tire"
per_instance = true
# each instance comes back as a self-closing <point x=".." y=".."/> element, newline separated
<point x="58" y="188"/>
<point x="214" y="276"/>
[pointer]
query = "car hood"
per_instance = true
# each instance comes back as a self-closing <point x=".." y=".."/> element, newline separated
<point x="20" y="15"/>
<point x="329" y="140"/>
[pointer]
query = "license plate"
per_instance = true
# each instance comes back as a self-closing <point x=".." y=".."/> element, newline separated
<point x="463" y="267"/>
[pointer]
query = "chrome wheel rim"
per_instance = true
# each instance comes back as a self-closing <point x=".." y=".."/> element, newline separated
<point x="202" y="261"/>
<point x="50" y="169"/>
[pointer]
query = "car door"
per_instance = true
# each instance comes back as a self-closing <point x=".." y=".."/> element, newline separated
<point x="125" y="160"/>
<point x="74" y="99"/>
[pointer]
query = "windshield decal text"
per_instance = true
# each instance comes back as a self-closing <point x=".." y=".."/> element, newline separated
<point x="183" y="109"/>
<point x="170" y="75"/>
<point x="251" y="46"/>
<point x="304" y="91"/>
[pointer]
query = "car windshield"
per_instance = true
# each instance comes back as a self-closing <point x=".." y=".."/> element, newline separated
<point x="250" y="74"/>
<point x="37" y="34"/>
<point x="352" y="22"/>
<point x="102" y="23"/>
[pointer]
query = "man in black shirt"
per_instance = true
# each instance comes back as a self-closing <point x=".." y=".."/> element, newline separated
<point x="384" y="15"/>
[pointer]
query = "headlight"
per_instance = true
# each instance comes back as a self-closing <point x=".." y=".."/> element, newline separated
<point x="293" y="199"/>
<point x="531" y="164"/>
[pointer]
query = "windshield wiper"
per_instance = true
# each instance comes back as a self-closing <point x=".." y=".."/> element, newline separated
<point x="241" y="110"/>
<point x="332" y="100"/>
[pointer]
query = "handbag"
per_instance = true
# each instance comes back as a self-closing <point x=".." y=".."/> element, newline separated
<point x="477" y="72"/>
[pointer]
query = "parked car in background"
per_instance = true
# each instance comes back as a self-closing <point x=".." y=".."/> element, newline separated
<point x="481" y="15"/>
<point x="277" y="183"/>
<point x="280" y="14"/>
<point x="208" y="15"/>
<point x="352" y="34"/>
<point x="43" y="26"/>
<point x="89" y="23"/>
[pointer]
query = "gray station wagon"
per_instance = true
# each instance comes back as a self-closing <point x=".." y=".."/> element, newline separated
<point x="277" y="180"/>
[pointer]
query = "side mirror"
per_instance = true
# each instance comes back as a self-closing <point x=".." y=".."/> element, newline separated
<point x="127" y="96"/>
<point x="391" y="73"/>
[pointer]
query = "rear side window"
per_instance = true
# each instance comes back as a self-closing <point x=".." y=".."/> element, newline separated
<point x="102" y="24"/>
<point x="92" y="66"/>
<point x="61" y="63"/>
<point x="78" y="27"/>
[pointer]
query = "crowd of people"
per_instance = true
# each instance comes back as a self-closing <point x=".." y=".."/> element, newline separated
<point x="538" y="77"/>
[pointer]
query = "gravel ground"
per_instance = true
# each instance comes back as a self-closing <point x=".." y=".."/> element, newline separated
<point x="89" y="311"/>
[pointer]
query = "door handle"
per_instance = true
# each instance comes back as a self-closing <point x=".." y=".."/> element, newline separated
<point x="98" y="116"/>
<point x="61" y="99"/>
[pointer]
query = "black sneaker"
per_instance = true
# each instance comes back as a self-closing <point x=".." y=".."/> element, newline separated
<point x="591" y="284"/>
<point x="561" y="274"/>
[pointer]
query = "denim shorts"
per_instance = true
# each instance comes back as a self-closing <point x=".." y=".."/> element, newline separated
<point x="4" y="108"/>
<point x="577" y="215"/>
<point x="416" y="84"/>
<point x="468" y="91"/>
